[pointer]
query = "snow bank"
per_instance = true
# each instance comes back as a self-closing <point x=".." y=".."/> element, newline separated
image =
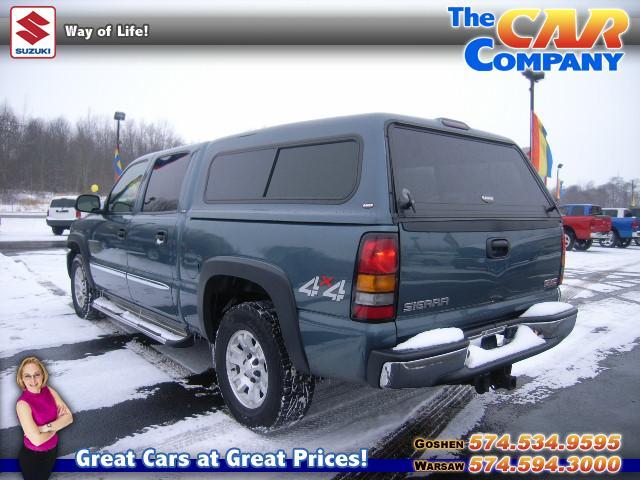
<point x="430" y="338"/>
<point x="544" y="309"/>
<point x="523" y="340"/>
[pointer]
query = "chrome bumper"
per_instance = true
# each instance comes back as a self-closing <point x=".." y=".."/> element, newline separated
<point x="600" y="235"/>
<point x="455" y="362"/>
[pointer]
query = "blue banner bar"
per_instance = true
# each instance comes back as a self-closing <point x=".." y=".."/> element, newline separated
<point x="373" y="465"/>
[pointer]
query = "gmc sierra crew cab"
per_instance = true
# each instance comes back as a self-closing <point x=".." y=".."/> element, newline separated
<point x="381" y="249"/>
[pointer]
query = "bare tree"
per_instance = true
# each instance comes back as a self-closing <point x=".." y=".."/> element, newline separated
<point x="56" y="156"/>
<point x="617" y="192"/>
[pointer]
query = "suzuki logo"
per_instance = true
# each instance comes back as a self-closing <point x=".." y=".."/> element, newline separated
<point x="33" y="33"/>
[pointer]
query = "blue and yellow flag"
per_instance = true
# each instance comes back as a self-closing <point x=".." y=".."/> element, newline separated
<point x="117" y="164"/>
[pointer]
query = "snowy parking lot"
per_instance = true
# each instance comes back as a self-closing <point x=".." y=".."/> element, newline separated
<point x="127" y="392"/>
<point x="19" y="229"/>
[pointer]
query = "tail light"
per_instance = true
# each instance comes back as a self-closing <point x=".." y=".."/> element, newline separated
<point x="48" y="212"/>
<point x="562" y="257"/>
<point x="635" y="225"/>
<point x="78" y="213"/>
<point x="376" y="282"/>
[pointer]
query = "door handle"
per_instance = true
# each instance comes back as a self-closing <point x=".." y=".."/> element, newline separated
<point x="497" y="247"/>
<point x="121" y="234"/>
<point x="161" y="237"/>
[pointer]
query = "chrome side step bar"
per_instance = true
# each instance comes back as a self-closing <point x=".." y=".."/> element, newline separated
<point x="150" y="329"/>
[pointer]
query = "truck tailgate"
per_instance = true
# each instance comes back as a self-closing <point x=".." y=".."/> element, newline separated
<point x="454" y="270"/>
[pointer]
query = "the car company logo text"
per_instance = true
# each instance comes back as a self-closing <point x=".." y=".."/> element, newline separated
<point x="543" y="39"/>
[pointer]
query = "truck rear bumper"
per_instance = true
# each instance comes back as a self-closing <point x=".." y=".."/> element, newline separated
<point x="463" y="360"/>
<point x="635" y="234"/>
<point x="600" y="235"/>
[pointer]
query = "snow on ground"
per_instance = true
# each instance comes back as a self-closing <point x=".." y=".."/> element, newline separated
<point x="27" y="229"/>
<point x="599" y="259"/>
<point x="32" y="316"/>
<point x="602" y="328"/>
<point x="347" y="427"/>
<point x="25" y="202"/>
<point x="343" y="417"/>
<point x="605" y="326"/>
<point x="32" y="204"/>
<point x="49" y="266"/>
<point x="83" y="382"/>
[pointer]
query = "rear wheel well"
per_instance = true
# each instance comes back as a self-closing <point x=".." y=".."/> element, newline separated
<point x="223" y="292"/>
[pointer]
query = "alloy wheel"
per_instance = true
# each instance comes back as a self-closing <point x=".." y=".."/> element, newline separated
<point x="246" y="367"/>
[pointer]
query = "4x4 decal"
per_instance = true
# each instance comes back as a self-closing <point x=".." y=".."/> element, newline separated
<point x="335" y="292"/>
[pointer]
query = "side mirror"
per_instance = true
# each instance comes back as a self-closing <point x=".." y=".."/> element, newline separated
<point x="88" y="203"/>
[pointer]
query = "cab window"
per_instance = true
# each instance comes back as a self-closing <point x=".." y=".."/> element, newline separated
<point x="124" y="193"/>
<point x="165" y="183"/>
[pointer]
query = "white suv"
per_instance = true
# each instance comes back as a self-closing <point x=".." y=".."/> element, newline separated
<point x="61" y="214"/>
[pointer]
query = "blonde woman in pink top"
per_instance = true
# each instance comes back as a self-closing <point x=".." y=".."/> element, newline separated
<point x="42" y="413"/>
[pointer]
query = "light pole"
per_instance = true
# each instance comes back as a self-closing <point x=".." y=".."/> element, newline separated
<point x="533" y="78"/>
<point x="560" y="165"/>
<point x="117" y="163"/>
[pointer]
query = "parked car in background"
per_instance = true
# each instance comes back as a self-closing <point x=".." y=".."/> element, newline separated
<point x="624" y="227"/>
<point x="584" y="223"/>
<point x="61" y="214"/>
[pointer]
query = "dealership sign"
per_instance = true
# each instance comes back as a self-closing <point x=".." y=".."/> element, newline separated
<point x="553" y="39"/>
<point x="33" y="32"/>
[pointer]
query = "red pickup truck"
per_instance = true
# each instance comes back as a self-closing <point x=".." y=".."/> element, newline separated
<point x="584" y="223"/>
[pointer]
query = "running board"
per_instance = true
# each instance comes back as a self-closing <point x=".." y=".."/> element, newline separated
<point x="150" y="329"/>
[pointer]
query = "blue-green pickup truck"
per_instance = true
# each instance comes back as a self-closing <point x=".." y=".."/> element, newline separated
<point x="388" y="250"/>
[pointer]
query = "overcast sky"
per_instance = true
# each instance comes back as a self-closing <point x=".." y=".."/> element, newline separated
<point x="592" y="119"/>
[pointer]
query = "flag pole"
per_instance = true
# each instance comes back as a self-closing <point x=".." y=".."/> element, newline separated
<point x="533" y="77"/>
<point x="118" y="116"/>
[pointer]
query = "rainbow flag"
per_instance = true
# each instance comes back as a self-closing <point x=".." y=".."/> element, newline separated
<point x="540" y="151"/>
<point x="117" y="164"/>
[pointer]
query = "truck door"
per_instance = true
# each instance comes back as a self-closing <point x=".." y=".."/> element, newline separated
<point x="152" y="240"/>
<point x="108" y="238"/>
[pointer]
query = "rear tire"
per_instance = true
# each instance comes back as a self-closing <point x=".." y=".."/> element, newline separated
<point x="569" y="239"/>
<point x="261" y="388"/>
<point x="583" y="245"/>
<point x="81" y="291"/>
<point x="624" y="243"/>
<point x="57" y="230"/>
